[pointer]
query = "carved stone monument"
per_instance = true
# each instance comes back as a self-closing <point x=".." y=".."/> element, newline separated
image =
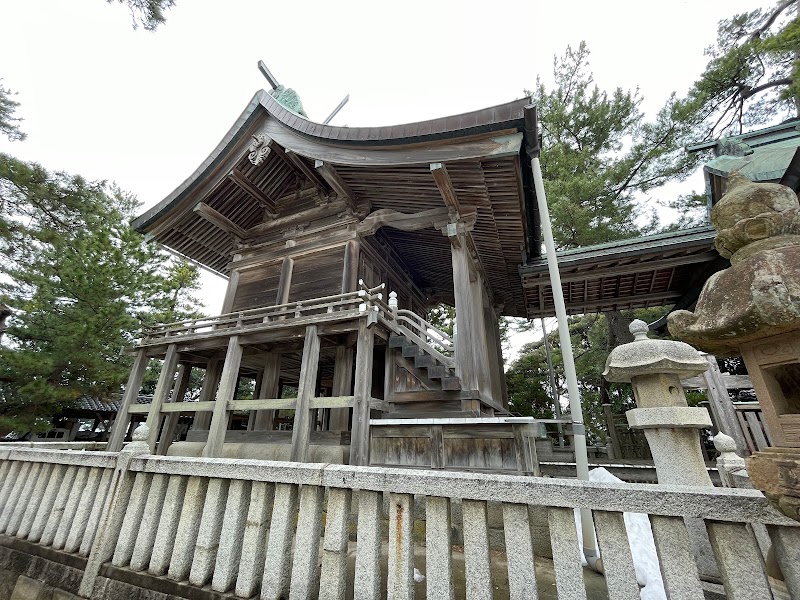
<point x="753" y="309"/>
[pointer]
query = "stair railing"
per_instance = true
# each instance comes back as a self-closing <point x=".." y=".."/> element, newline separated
<point x="430" y="338"/>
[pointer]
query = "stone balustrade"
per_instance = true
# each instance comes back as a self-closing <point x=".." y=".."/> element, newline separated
<point x="284" y="530"/>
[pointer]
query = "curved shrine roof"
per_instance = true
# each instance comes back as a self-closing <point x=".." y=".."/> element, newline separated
<point x="381" y="168"/>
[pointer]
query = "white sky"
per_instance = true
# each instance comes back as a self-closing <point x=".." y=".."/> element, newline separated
<point x="145" y="109"/>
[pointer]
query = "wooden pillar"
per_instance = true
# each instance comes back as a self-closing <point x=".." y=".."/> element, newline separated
<point x="285" y="282"/>
<point x="202" y="420"/>
<point x="227" y="388"/>
<point x="178" y="392"/>
<point x="306" y="388"/>
<point x="494" y="352"/>
<point x="466" y="341"/>
<point x="230" y="292"/>
<point x="268" y="389"/>
<point x="352" y="253"/>
<point x="132" y="388"/>
<point x="163" y="388"/>
<point x="359" y="439"/>
<point x="342" y="386"/>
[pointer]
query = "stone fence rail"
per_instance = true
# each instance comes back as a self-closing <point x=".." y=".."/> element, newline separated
<point x="284" y="530"/>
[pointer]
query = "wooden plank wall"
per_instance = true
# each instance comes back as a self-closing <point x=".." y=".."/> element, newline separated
<point x="317" y="275"/>
<point x="257" y="286"/>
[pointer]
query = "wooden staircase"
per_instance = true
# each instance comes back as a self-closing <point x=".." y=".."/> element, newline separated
<point x="433" y="365"/>
<point x="440" y="392"/>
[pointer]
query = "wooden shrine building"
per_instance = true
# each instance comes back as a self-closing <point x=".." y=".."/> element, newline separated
<point x="336" y="241"/>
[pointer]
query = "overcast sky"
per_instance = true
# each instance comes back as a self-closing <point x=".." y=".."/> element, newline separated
<point x="145" y="109"/>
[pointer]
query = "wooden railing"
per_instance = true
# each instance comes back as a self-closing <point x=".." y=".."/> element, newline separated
<point x="280" y="315"/>
<point x="755" y="431"/>
<point x="242" y="526"/>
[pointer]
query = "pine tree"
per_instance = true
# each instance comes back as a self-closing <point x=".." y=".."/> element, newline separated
<point x="80" y="283"/>
<point x="753" y="75"/>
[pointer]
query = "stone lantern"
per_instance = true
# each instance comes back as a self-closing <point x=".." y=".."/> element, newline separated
<point x="654" y="368"/>
<point x="752" y="309"/>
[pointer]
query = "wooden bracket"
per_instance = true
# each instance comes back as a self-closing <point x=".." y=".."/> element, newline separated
<point x="446" y="189"/>
<point x="219" y="220"/>
<point x="264" y="200"/>
<point x="339" y="185"/>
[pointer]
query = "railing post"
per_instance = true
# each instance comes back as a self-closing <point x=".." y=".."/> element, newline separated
<point x="114" y="510"/>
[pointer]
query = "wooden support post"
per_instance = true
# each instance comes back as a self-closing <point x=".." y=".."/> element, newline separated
<point x="268" y="389"/>
<point x="469" y="320"/>
<point x="359" y="439"/>
<point x="202" y="421"/>
<point x="178" y="392"/>
<point x="132" y="388"/>
<point x="285" y="282"/>
<point x="230" y="291"/>
<point x="227" y="388"/>
<point x="352" y="253"/>
<point x="494" y="353"/>
<point x="306" y="387"/>
<point x="342" y="386"/>
<point x="163" y="388"/>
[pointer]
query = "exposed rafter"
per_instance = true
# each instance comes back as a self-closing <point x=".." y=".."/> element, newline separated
<point x="219" y="220"/>
<point x="446" y="189"/>
<point x="263" y="199"/>
<point x="339" y="185"/>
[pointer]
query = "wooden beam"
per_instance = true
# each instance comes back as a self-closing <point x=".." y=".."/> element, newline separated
<point x="260" y="196"/>
<point x="307" y="215"/>
<point x="339" y="185"/>
<point x="218" y="220"/>
<point x="359" y="439"/>
<point x="446" y="189"/>
<point x="387" y="217"/>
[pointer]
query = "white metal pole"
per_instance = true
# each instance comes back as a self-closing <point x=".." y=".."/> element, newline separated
<point x="578" y="428"/>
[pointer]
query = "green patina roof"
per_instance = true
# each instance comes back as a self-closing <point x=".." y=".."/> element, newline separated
<point x="762" y="163"/>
